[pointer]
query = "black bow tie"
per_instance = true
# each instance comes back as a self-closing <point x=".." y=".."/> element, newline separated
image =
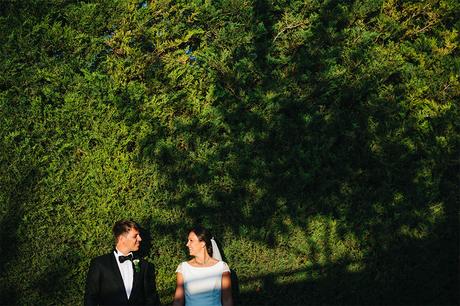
<point x="122" y="258"/>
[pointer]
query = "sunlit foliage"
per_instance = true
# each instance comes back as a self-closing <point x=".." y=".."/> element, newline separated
<point x="317" y="139"/>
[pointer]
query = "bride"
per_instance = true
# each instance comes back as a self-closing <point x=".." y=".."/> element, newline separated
<point x="205" y="279"/>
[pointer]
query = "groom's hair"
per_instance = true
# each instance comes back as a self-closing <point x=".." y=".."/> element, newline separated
<point x="122" y="227"/>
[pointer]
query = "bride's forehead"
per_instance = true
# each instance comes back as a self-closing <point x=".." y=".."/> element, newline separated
<point x="192" y="236"/>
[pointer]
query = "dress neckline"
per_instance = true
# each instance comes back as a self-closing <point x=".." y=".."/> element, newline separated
<point x="203" y="267"/>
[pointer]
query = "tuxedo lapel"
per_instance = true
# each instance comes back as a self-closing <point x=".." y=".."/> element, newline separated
<point x="117" y="276"/>
<point x="136" y="281"/>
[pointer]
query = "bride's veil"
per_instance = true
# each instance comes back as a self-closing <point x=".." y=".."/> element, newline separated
<point x="215" y="250"/>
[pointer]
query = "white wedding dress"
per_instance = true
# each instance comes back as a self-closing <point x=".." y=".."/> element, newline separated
<point x="202" y="285"/>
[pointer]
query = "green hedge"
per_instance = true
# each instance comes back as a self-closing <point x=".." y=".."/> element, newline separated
<point x="317" y="139"/>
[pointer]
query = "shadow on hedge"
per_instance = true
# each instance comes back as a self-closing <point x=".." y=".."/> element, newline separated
<point x="20" y="194"/>
<point x="410" y="280"/>
<point x="301" y="155"/>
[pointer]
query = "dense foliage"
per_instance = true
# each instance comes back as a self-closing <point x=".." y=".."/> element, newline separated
<point x="317" y="139"/>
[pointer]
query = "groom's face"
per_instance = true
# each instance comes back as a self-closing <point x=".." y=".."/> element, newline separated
<point x="131" y="240"/>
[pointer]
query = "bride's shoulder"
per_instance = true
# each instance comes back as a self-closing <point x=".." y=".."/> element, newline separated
<point x="225" y="266"/>
<point x="213" y="261"/>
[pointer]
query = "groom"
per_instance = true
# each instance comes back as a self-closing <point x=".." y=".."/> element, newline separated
<point x="119" y="278"/>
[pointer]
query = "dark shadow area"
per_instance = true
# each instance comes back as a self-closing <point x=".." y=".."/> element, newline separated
<point x="146" y="243"/>
<point x="9" y="235"/>
<point x="316" y="156"/>
<point x="53" y="282"/>
<point x="146" y="249"/>
<point x="234" y="276"/>
<point x="413" y="283"/>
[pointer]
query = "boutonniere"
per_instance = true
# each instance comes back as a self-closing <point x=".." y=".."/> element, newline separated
<point x="137" y="267"/>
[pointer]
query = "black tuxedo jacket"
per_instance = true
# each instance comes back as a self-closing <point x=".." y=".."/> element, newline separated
<point x="104" y="284"/>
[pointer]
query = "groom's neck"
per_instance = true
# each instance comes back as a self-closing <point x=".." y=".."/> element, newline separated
<point x="122" y="251"/>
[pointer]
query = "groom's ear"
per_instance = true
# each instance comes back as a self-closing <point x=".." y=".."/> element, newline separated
<point x="120" y="238"/>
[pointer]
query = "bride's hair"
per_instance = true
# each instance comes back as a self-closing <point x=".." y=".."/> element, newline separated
<point x="203" y="235"/>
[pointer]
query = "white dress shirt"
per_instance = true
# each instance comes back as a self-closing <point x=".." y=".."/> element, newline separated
<point x="127" y="272"/>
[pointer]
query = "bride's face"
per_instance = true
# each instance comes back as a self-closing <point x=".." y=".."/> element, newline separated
<point x="194" y="245"/>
